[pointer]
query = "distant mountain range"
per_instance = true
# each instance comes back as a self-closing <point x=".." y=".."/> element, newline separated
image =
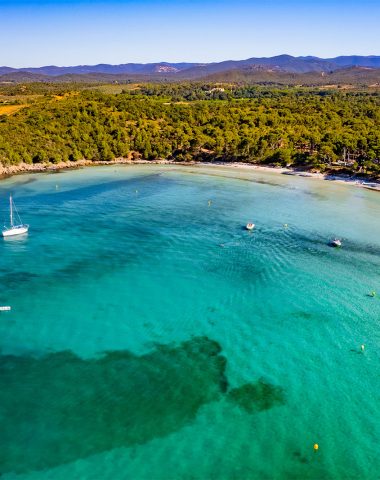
<point x="281" y="66"/>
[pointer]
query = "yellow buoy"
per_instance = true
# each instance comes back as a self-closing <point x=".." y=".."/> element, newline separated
<point x="316" y="446"/>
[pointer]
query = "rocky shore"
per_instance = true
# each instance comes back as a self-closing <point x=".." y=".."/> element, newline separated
<point x="6" y="170"/>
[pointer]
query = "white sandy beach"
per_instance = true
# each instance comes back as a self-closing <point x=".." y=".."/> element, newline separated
<point x="357" y="181"/>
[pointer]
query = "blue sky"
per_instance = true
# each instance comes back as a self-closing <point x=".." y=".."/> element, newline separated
<point x="71" y="32"/>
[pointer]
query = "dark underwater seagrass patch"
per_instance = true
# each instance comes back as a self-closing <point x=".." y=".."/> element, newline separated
<point x="256" y="397"/>
<point x="58" y="408"/>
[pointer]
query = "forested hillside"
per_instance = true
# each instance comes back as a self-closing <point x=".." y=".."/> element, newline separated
<point x="313" y="129"/>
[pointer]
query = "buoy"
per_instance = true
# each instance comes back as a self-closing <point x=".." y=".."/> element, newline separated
<point x="362" y="348"/>
<point x="285" y="225"/>
<point x="316" y="446"/>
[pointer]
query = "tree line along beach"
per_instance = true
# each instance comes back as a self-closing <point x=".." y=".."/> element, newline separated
<point x="331" y="131"/>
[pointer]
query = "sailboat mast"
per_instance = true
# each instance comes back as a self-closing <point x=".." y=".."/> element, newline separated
<point x="10" y="204"/>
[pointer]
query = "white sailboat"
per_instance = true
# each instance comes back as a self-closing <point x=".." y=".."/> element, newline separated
<point x="14" y="229"/>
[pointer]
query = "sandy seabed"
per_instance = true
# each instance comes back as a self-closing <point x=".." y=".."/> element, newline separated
<point x="6" y="171"/>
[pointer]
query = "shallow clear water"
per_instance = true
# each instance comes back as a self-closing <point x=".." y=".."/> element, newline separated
<point x="152" y="337"/>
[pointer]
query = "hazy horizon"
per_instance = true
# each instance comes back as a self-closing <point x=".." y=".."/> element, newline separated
<point x="80" y="32"/>
<point x="187" y="61"/>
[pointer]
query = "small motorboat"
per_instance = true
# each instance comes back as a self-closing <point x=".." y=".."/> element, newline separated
<point x="336" y="243"/>
<point x="250" y="226"/>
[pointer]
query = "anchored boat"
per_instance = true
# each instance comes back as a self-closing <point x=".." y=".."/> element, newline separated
<point x="13" y="229"/>
<point x="336" y="242"/>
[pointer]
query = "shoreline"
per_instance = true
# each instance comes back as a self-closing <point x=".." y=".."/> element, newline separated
<point x="354" y="180"/>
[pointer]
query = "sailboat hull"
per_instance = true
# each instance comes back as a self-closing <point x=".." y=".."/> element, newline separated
<point x="17" y="230"/>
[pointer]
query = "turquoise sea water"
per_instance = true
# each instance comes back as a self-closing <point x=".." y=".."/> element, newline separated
<point x="152" y="337"/>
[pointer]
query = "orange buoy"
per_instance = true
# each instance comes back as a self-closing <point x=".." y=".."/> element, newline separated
<point x="316" y="446"/>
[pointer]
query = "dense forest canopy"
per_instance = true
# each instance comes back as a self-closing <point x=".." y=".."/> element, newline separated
<point x="314" y="128"/>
